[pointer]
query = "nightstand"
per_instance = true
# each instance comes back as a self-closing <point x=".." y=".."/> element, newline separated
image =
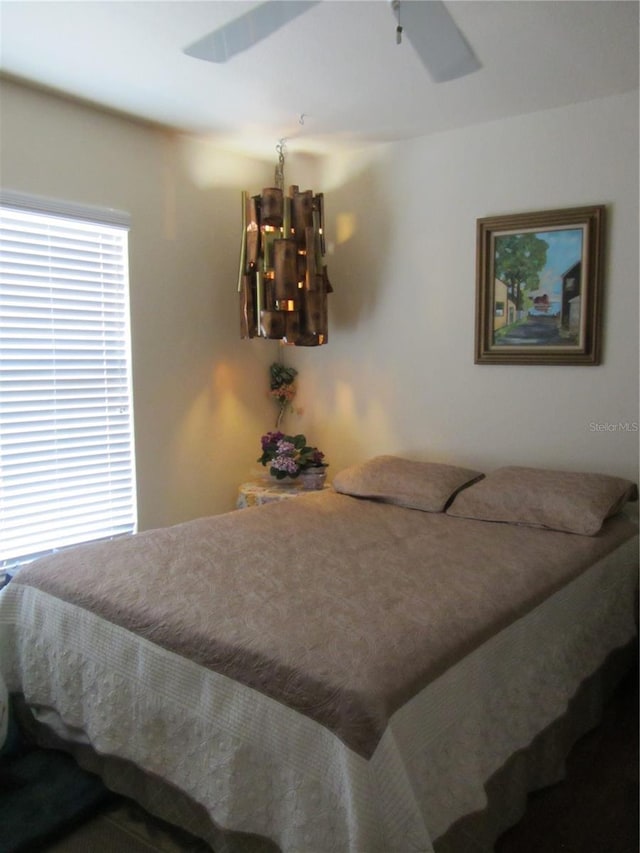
<point x="258" y="492"/>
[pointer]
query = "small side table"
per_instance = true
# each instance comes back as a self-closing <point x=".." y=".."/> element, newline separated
<point x="258" y="492"/>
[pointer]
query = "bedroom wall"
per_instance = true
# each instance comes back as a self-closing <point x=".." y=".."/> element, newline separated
<point x="198" y="389"/>
<point x="398" y="375"/>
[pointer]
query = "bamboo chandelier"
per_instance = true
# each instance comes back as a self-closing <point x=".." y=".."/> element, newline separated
<point x="283" y="282"/>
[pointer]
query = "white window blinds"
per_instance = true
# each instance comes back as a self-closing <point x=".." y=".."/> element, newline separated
<point x="66" y="437"/>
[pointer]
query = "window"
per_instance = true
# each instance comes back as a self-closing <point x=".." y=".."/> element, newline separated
<point x="66" y="423"/>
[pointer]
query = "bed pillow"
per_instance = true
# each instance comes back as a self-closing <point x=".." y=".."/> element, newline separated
<point x="558" y="500"/>
<point x="427" y="486"/>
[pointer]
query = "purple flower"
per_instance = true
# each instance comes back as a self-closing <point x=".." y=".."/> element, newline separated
<point x="285" y="463"/>
<point x="316" y="457"/>
<point x="286" y="448"/>
<point x="271" y="438"/>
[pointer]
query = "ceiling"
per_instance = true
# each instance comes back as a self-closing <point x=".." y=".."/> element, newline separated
<point x="334" y="75"/>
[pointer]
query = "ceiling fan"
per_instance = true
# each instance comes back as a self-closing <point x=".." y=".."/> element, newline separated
<point x="429" y="27"/>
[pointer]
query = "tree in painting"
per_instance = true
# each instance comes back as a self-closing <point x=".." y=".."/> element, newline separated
<point x="519" y="259"/>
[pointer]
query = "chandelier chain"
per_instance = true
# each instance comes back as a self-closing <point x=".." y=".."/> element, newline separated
<point x="279" y="173"/>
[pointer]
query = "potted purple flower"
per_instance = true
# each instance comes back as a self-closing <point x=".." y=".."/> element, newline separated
<point x="291" y="456"/>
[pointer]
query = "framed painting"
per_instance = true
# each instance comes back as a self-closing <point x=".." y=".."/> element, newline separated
<point x="539" y="287"/>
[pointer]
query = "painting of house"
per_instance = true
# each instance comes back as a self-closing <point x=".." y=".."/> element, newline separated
<point x="571" y="297"/>
<point x="504" y="308"/>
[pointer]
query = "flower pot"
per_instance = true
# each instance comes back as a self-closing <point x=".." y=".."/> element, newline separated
<point x="281" y="481"/>
<point x="313" y="478"/>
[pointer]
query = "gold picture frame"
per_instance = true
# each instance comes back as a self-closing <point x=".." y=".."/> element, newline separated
<point x="539" y="287"/>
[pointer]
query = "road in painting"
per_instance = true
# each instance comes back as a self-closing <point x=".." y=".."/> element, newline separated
<point x="537" y="288"/>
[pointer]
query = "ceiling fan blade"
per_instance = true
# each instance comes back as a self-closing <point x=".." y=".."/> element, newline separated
<point x="442" y="48"/>
<point x="248" y="29"/>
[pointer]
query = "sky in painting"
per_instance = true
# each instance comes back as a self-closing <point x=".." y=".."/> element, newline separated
<point x="565" y="249"/>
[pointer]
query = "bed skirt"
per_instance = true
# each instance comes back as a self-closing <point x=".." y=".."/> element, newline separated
<point x="538" y="766"/>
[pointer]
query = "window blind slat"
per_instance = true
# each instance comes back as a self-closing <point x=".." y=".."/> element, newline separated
<point x="66" y="428"/>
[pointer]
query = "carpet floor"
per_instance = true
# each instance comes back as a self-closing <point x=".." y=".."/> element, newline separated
<point x="594" y="810"/>
<point x="42" y="792"/>
<point x="126" y="828"/>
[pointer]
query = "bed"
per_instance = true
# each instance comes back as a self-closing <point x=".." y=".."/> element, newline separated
<point x="355" y="670"/>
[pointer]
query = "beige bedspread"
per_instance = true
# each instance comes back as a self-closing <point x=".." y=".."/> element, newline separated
<point x="338" y="607"/>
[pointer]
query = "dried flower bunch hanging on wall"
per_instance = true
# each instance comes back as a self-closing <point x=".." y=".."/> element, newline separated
<point x="283" y="388"/>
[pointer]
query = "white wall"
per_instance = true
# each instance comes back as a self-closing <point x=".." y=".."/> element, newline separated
<point x="398" y="375"/>
<point x="200" y="393"/>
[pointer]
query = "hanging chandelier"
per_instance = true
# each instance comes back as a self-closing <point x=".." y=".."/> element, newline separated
<point x="283" y="282"/>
